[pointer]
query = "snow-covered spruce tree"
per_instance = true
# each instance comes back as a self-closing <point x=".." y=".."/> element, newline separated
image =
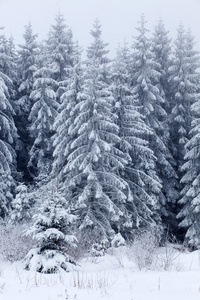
<point x="8" y="136"/>
<point x="60" y="52"/>
<point x="8" y="63"/>
<point x="190" y="212"/>
<point x="21" y="205"/>
<point x="42" y="117"/>
<point x="94" y="164"/>
<point x="27" y="57"/>
<point x="144" y="80"/>
<point x="52" y="232"/>
<point x="65" y="132"/>
<point x="142" y="208"/>
<point x="183" y="88"/>
<point x="161" y="48"/>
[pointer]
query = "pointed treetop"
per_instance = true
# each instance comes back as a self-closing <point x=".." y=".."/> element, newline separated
<point x="97" y="51"/>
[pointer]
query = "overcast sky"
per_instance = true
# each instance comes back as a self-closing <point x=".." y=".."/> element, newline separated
<point x="117" y="17"/>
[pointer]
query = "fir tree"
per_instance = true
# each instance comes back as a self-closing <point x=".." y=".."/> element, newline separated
<point x="189" y="214"/>
<point x="27" y="56"/>
<point x="8" y="137"/>
<point x="21" y="205"/>
<point x="183" y="86"/>
<point x="42" y="117"/>
<point x="141" y="209"/>
<point x="52" y="232"/>
<point x="161" y="48"/>
<point x="8" y="63"/>
<point x="93" y="166"/>
<point x="145" y="78"/>
<point x="63" y="126"/>
<point x="26" y="68"/>
<point x="60" y="52"/>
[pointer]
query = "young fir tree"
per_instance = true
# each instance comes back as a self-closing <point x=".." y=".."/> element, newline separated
<point x="27" y="57"/>
<point x="60" y="52"/>
<point x="161" y="48"/>
<point x="42" y="117"/>
<point x="145" y="77"/>
<point x="142" y="209"/>
<point x="21" y="205"/>
<point x="190" y="203"/>
<point x="52" y="232"/>
<point x="94" y="164"/>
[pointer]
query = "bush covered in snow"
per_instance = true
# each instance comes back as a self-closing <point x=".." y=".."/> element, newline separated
<point x="14" y="245"/>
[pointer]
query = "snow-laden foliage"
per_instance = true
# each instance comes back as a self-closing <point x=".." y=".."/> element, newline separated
<point x="8" y="62"/>
<point x="145" y="78"/>
<point x="184" y="82"/>
<point x="64" y="123"/>
<point x="21" y="205"/>
<point x="94" y="164"/>
<point x="166" y="170"/>
<point x="185" y="113"/>
<point x="26" y="66"/>
<point x="52" y="231"/>
<point x="141" y="208"/>
<point x="42" y="117"/>
<point x="8" y="136"/>
<point x="190" y="213"/>
<point x="60" y="52"/>
<point x="120" y="136"/>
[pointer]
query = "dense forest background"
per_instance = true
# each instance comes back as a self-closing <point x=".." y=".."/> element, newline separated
<point x="95" y="150"/>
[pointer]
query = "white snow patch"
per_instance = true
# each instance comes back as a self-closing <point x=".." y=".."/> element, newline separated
<point x="112" y="277"/>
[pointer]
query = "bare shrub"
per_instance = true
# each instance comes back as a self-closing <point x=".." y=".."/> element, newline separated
<point x="143" y="249"/>
<point x="14" y="245"/>
<point x="170" y="258"/>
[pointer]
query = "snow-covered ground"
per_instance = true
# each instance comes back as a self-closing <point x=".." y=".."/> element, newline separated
<point x="112" y="277"/>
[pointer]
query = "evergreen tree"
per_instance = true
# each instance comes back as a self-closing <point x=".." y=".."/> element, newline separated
<point x="8" y="136"/>
<point x="182" y="78"/>
<point x="27" y="56"/>
<point x="161" y="48"/>
<point x="189" y="213"/>
<point x="8" y="64"/>
<point x="63" y="126"/>
<point x="52" y="232"/>
<point x="94" y="164"/>
<point x="145" y="78"/>
<point x="21" y="205"/>
<point x="60" y="52"/>
<point x="26" y="68"/>
<point x="142" y="209"/>
<point x="42" y="117"/>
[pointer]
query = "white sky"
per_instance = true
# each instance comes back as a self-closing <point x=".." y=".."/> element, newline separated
<point x="118" y="17"/>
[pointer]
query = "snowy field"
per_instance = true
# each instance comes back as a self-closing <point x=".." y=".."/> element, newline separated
<point x="174" y="275"/>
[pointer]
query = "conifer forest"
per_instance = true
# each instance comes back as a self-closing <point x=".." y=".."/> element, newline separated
<point x="95" y="150"/>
